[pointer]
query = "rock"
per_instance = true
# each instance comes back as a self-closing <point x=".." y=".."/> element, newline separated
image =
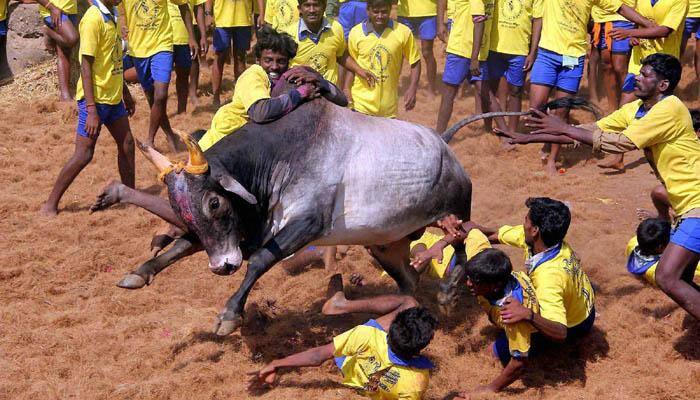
<point x="25" y="40"/>
<point x="25" y="21"/>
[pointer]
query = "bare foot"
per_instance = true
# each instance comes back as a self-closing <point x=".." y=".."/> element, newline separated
<point x="506" y="145"/>
<point x="613" y="163"/>
<point x="357" y="279"/>
<point x="643" y="214"/>
<point x="111" y="195"/>
<point x="336" y="298"/>
<point x="48" y="210"/>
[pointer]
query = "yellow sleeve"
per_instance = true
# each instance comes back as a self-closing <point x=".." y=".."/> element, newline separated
<point x="537" y="9"/>
<point x="512" y="236"/>
<point x="252" y="87"/>
<point x="351" y="342"/>
<point x="410" y="50"/>
<point x="611" y="6"/>
<point x="620" y="119"/>
<point x="179" y="2"/>
<point x="650" y="274"/>
<point x="476" y="242"/>
<point x="518" y="338"/>
<point x="652" y="129"/>
<point x="550" y="295"/>
<point x="630" y="246"/>
<point x="411" y="396"/>
<point x="89" y="36"/>
<point x="270" y="8"/>
<point x="340" y="37"/>
<point x="477" y="7"/>
<point x="675" y="17"/>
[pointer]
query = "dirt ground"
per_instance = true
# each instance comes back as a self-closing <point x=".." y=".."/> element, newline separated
<point x="68" y="332"/>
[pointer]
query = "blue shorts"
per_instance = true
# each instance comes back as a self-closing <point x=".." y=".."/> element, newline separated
<point x="507" y="65"/>
<point x="424" y="28"/>
<point x="449" y="25"/>
<point x="3" y="27"/>
<point x="618" y="46"/>
<point x="692" y="25"/>
<point x="73" y="18"/>
<point x="240" y="35"/>
<point x="549" y="70"/>
<point x="687" y="234"/>
<point x="181" y="56"/>
<point x="107" y="113"/>
<point x="128" y="62"/>
<point x="539" y="342"/>
<point x="351" y="13"/>
<point x="457" y="70"/>
<point x="628" y="85"/>
<point x="156" y="68"/>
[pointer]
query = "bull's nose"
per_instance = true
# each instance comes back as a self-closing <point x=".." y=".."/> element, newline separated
<point x="225" y="269"/>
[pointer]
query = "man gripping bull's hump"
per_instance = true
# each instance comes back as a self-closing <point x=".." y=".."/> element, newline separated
<point x="321" y="174"/>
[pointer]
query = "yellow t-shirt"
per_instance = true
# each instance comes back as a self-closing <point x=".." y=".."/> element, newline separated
<point x="149" y="26"/>
<point x="563" y="290"/>
<point x="518" y="334"/>
<point x="450" y="9"/>
<point x="511" y="29"/>
<point x="669" y="13"/>
<point x="180" y="35"/>
<point x="251" y="86"/>
<point x="650" y="274"/>
<point x="417" y="8"/>
<point x="694" y="9"/>
<point x="232" y="13"/>
<point x="67" y="6"/>
<point x="565" y="23"/>
<point x="282" y="14"/>
<point x="475" y="242"/>
<point x="667" y="137"/>
<point x="383" y="57"/>
<point x="322" y="56"/>
<point x="100" y="39"/>
<point x="3" y="9"/>
<point x="600" y="15"/>
<point x="462" y="34"/>
<point x="363" y="354"/>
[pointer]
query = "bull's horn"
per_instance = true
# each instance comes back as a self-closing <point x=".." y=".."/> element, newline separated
<point x="197" y="163"/>
<point x="161" y="162"/>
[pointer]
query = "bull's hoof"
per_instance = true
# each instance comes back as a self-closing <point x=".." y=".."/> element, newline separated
<point x="133" y="281"/>
<point x="224" y="327"/>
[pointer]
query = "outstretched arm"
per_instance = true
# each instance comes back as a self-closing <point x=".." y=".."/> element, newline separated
<point x="308" y="358"/>
<point x="633" y="16"/>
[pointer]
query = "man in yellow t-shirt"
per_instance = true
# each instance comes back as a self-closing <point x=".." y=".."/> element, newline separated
<point x="103" y="98"/>
<point x="151" y="49"/>
<point x="379" y="46"/>
<point x="61" y="29"/>
<point x="182" y="58"/>
<point x="467" y="52"/>
<point x="421" y="17"/>
<point x="251" y="95"/>
<point x="660" y="125"/>
<point x="562" y="50"/>
<point x="644" y="250"/>
<point x="321" y="42"/>
<point x="692" y="27"/>
<point x="234" y="29"/>
<point x="281" y="14"/>
<point x="381" y="358"/>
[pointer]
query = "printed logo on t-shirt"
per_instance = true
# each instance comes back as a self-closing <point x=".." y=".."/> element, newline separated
<point x="379" y="62"/>
<point x="147" y="14"/>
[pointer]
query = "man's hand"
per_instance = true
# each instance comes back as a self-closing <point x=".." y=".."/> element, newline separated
<point x="450" y="224"/>
<point x="194" y="48"/>
<point x="545" y="123"/>
<point x="368" y="77"/>
<point x="92" y="123"/>
<point x="529" y="62"/>
<point x="512" y="137"/>
<point x="125" y="32"/>
<point x="475" y="67"/>
<point x="479" y="18"/>
<point x="55" y="15"/>
<point x="422" y="257"/>
<point x="261" y="21"/>
<point x="513" y="312"/>
<point x="302" y="76"/>
<point x="442" y="32"/>
<point x="209" y="21"/>
<point x="266" y="375"/>
<point x="621" y="34"/>
<point x="203" y="46"/>
<point x="309" y="91"/>
<point x="634" y="41"/>
<point x="409" y="99"/>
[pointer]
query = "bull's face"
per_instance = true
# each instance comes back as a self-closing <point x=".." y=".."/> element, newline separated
<point x="204" y="202"/>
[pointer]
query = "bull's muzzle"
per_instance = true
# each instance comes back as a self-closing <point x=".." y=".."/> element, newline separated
<point x="224" y="269"/>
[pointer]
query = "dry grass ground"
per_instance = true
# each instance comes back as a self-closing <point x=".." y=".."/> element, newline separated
<point x="68" y="332"/>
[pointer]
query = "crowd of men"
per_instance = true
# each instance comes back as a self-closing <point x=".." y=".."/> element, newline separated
<point x="351" y="52"/>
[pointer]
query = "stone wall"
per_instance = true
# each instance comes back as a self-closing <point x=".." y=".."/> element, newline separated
<point x="25" y="40"/>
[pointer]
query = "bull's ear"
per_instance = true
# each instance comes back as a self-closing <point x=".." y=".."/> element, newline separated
<point x="233" y="186"/>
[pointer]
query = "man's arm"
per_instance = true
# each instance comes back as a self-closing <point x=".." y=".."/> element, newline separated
<point x="409" y="99"/>
<point x="633" y="16"/>
<point x="268" y="110"/>
<point x="441" y="26"/>
<point x="479" y="23"/>
<point x="512" y="371"/>
<point x="332" y="93"/>
<point x="209" y="14"/>
<point x="129" y="102"/>
<point x="534" y="43"/>
<point x="308" y="358"/>
<point x="199" y="12"/>
<point x="654" y="32"/>
<point x="93" y="120"/>
<point x="55" y="12"/>
<point x="513" y="312"/>
<point x="187" y="18"/>
<point x="351" y="65"/>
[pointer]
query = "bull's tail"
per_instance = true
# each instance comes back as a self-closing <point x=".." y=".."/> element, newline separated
<point x="576" y="103"/>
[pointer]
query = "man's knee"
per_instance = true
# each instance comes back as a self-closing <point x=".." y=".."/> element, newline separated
<point x="160" y="94"/>
<point x="127" y="145"/>
<point x="427" y="49"/>
<point x="84" y="156"/>
<point x="515" y="91"/>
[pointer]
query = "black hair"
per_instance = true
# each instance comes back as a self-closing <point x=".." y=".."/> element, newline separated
<point x="324" y="2"/>
<point x="551" y="217"/>
<point x="489" y="266"/>
<point x="695" y="116"/>
<point x="667" y="67"/>
<point x="653" y="233"/>
<point x="380" y="3"/>
<point x="269" y="39"/>
<point x="411" y="331"/>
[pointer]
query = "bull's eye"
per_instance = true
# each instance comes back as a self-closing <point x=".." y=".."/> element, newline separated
<point x="214" y="204"/>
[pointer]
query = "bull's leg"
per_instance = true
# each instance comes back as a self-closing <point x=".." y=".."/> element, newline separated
<point x="449" y="287"/>
<point x="295" y="235"/>
<point x="144" y="274"/>
<point x="395" y="260"/>
<point x="117" y="192"/>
